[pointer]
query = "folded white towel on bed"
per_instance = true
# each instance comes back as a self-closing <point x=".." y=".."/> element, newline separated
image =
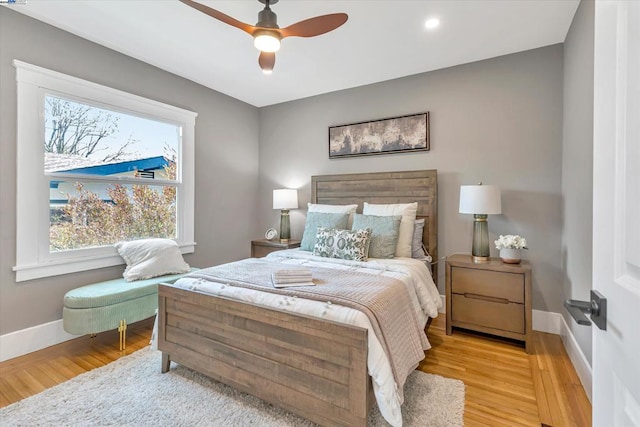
<point x="292" y="284"/>
<point x="287" y="278"/>
<point x="292" y="272"/>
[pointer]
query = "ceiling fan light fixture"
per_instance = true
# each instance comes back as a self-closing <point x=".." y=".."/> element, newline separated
<point x="267" y="41"/>
<point x="432" y="23"/>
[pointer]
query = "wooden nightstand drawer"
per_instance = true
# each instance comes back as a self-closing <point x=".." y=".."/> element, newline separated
<point x="261" y="251"/>
<point x="508" y="286"/>
<point x="261" y="248"/>
<point x="473" y="310"/>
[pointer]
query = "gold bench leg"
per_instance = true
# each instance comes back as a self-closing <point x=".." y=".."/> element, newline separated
<point x="123" y="334"/>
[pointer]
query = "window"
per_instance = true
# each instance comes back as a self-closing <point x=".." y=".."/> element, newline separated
<point x="96" y="166"/>
<point x="100" y="164"/>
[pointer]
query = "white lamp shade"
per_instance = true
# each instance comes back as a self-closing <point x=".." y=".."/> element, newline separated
<point x="480" y="199"/>
<point x="285" y="198"/>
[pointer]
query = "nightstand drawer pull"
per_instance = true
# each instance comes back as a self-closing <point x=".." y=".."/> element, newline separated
<point x="486" y="298"/>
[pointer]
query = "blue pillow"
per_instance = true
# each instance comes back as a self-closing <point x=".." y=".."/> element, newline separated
<point x="384" y="233"/>
<point x="321" y="219"/>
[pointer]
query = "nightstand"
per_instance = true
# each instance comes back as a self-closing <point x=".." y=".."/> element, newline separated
<point x="263" y="247"/>
<point x="490" y="297"/>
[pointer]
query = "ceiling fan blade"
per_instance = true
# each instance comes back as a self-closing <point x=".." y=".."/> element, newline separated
<point x="267" y="60"/>
<point x="220" y="16"/>
<point x="315" y="26"/>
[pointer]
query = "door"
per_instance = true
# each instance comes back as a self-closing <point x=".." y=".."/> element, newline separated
<point x="616" y="212"/>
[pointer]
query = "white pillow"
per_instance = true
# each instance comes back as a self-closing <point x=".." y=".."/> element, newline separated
<point x="408" y="212"/>
<point x="149" y="258"/>
<point x="350" y="209"/>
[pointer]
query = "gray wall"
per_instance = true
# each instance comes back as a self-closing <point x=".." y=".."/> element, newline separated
<point x="498" y="121"/>
<point x="577" y="166"/>
<point x="226" y="130"/>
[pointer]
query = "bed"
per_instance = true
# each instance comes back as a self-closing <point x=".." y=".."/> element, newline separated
<point x="308" y="364"/>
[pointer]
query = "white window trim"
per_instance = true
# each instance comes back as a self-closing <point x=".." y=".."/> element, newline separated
<point x="33" y="259"/>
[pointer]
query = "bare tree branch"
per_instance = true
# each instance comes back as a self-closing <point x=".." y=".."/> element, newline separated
<point x="79" y="129"/>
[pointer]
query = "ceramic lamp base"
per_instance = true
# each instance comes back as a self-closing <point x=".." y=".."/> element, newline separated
<point x="285" y="227"/>
<point x="480" y="248"/>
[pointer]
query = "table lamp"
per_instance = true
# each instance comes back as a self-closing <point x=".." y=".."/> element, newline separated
<point x="285" y="199"/>
<point x="480" y="200"/>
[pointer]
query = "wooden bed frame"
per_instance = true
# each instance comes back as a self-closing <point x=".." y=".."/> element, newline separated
<point x="313" y="367"/>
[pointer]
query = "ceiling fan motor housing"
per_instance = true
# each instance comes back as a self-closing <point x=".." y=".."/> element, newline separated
<point x="267" y="18"/>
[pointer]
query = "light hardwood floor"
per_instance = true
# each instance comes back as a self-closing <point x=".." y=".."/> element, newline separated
<point x="504" y="385"/>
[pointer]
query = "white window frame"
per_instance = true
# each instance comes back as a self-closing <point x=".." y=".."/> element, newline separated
<point x="33" y="257"/>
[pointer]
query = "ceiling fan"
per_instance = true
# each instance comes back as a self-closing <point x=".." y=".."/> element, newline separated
<point x="267" y="34"/>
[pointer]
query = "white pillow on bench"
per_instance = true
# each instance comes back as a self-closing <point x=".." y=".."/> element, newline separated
<point x="149" y="258"/>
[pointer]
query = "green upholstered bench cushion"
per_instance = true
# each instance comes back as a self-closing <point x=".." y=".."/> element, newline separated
<point x="114" y="291"/>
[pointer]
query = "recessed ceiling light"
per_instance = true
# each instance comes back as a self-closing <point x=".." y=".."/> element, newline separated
<point x="432" y="23"/>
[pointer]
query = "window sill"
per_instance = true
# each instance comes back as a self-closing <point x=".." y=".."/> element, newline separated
<point x="49" y="269"/>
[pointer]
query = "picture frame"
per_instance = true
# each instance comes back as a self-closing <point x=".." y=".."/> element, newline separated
<point x="384" y="136"/>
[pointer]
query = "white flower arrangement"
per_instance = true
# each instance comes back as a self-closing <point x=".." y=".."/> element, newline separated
<point x="511" y="241"/>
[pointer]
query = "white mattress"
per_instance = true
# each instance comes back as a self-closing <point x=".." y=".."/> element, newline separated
<point x="413" y="273"/>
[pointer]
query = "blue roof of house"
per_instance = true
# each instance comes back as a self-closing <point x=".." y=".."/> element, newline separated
<point x="150" y="163"/>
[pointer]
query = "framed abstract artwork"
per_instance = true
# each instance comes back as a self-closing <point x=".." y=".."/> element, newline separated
<point x="385" y="136"/>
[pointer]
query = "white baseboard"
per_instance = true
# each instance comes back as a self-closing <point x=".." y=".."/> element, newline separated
<point x="546" y="321"/>
<point x="554" y="323"/>
<point x="27" y="340"/>
<point x="579" y="360"/>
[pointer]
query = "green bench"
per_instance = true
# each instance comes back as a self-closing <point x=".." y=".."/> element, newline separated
<point x="112" y="305"/>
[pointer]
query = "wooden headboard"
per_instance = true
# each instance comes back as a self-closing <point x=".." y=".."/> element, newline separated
<point x="383" y="188"/>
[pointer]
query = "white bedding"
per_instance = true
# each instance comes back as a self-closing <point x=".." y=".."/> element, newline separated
<point x="413" y="273"/>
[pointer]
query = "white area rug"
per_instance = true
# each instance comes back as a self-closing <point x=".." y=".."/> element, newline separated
<point x="132" y="391"/>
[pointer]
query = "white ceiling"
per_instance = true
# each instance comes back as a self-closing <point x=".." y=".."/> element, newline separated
<point x="381" y="40"/>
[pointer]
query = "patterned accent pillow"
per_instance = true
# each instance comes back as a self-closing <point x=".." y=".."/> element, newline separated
<point x="384" y="233"/>
<point x="321" y="219"/>
<point x="342" y="244"/>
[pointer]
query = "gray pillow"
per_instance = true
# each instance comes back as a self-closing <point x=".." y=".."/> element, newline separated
<point x="417" y="249"/>
<point x="342" y="244"/>
<point x="384" y="233"/>
<point x="321" y="219"/>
